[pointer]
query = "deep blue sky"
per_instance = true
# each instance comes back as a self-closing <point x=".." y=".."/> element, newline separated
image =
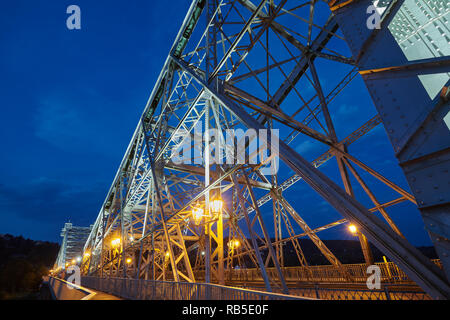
<point x="70" y="101"/>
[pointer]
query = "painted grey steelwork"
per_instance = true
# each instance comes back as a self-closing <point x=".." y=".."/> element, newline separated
<point x="72" y="244"/>
<point x="258" y="65"/>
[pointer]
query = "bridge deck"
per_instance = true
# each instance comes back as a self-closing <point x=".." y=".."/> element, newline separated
<point x="62" y="290"/>
<point x="99" y="295"/>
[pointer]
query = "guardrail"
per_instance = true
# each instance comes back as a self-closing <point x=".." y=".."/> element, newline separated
<point x="135" y="289"/>
<point x="388" y="292"/>
<point x="363" y="294"/>
<point x="63" y="290"/>
<point x="390" y="273"/>
<point x="138" y="289"/>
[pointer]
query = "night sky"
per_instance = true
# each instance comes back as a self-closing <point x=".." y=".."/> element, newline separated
<point x="71" y="100"/>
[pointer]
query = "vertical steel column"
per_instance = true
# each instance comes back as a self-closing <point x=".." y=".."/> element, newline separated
<point x="220" y="260"/>
<point x="121" y="258"/>
<point x="259" y="259"/>
<point x="149" y="191"/>
<point x="207" y="212"/>
<point x="211" y="38"/>
<point x="211" y="62"/>
<point x="266" y="235"/>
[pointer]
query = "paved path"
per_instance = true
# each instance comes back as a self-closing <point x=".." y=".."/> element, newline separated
<point x="103" y="296"/>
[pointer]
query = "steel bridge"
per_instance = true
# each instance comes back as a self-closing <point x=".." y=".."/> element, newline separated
<point x="178" y="217"/>
<point x="72" y="244"/>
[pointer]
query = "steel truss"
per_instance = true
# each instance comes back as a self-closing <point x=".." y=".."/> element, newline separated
<point x="256" y="65"/>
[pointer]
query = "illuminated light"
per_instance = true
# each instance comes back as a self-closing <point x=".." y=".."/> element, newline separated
<point x="87" y="254"/>
<point x="67" y="264"/>
<point x="167" y="254"/>
<point x="78" y="259"/>
<point x="131" y="239"/>
<point x="115" y="242"/>
<point x="197" y="215"/>
<point x="203" y="253"/>
<point x="128" y="260"/>
<point x="74" y="261"/>
<point x="215" y="207"/>
<point x="234" y="243"/>
<point x="352" y="228"/>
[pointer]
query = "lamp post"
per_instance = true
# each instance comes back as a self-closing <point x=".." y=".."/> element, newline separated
<point x="353" y="229"/>
<point x="214" y="214"/>
<point x="197" y="214"/>
<point x="207" y="172"/>
<point x="213" y="210"/>
<point x="216" y="211"/>
<point x="115" y="242"/>
<point x="215" y="207"/>
<point x="368" y="257"/>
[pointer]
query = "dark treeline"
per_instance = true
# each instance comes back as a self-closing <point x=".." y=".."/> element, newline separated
<point x="23" y="262"/>
<point x="347" y="251"/>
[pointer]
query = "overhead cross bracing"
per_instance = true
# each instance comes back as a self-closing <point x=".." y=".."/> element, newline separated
<point x="252" y="65"/>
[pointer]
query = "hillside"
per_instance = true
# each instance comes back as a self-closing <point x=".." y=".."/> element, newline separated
<point x="23" y="262"/>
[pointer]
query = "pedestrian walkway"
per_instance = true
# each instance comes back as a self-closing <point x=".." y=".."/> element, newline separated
<point x="98" y="295"/>
<point x="62" y="290"/>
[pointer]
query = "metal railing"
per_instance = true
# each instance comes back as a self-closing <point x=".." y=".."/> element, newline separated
<point x="138" y="289"/>
<point x="385" y="293"/>
<point x="135" y="289"/>
<point x="390" y="273"/>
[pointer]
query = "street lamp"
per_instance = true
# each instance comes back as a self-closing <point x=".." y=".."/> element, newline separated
<point x="197" y="214"/>
<point x="128" y="261"/>
<point x="115" y="242"/>
<point x="234" y="243"/>
<point x="215" y="207"/>
<point x="352" y="228"/>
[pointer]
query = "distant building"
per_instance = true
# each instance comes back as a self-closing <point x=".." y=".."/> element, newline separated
<point x="72" y="244"/>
